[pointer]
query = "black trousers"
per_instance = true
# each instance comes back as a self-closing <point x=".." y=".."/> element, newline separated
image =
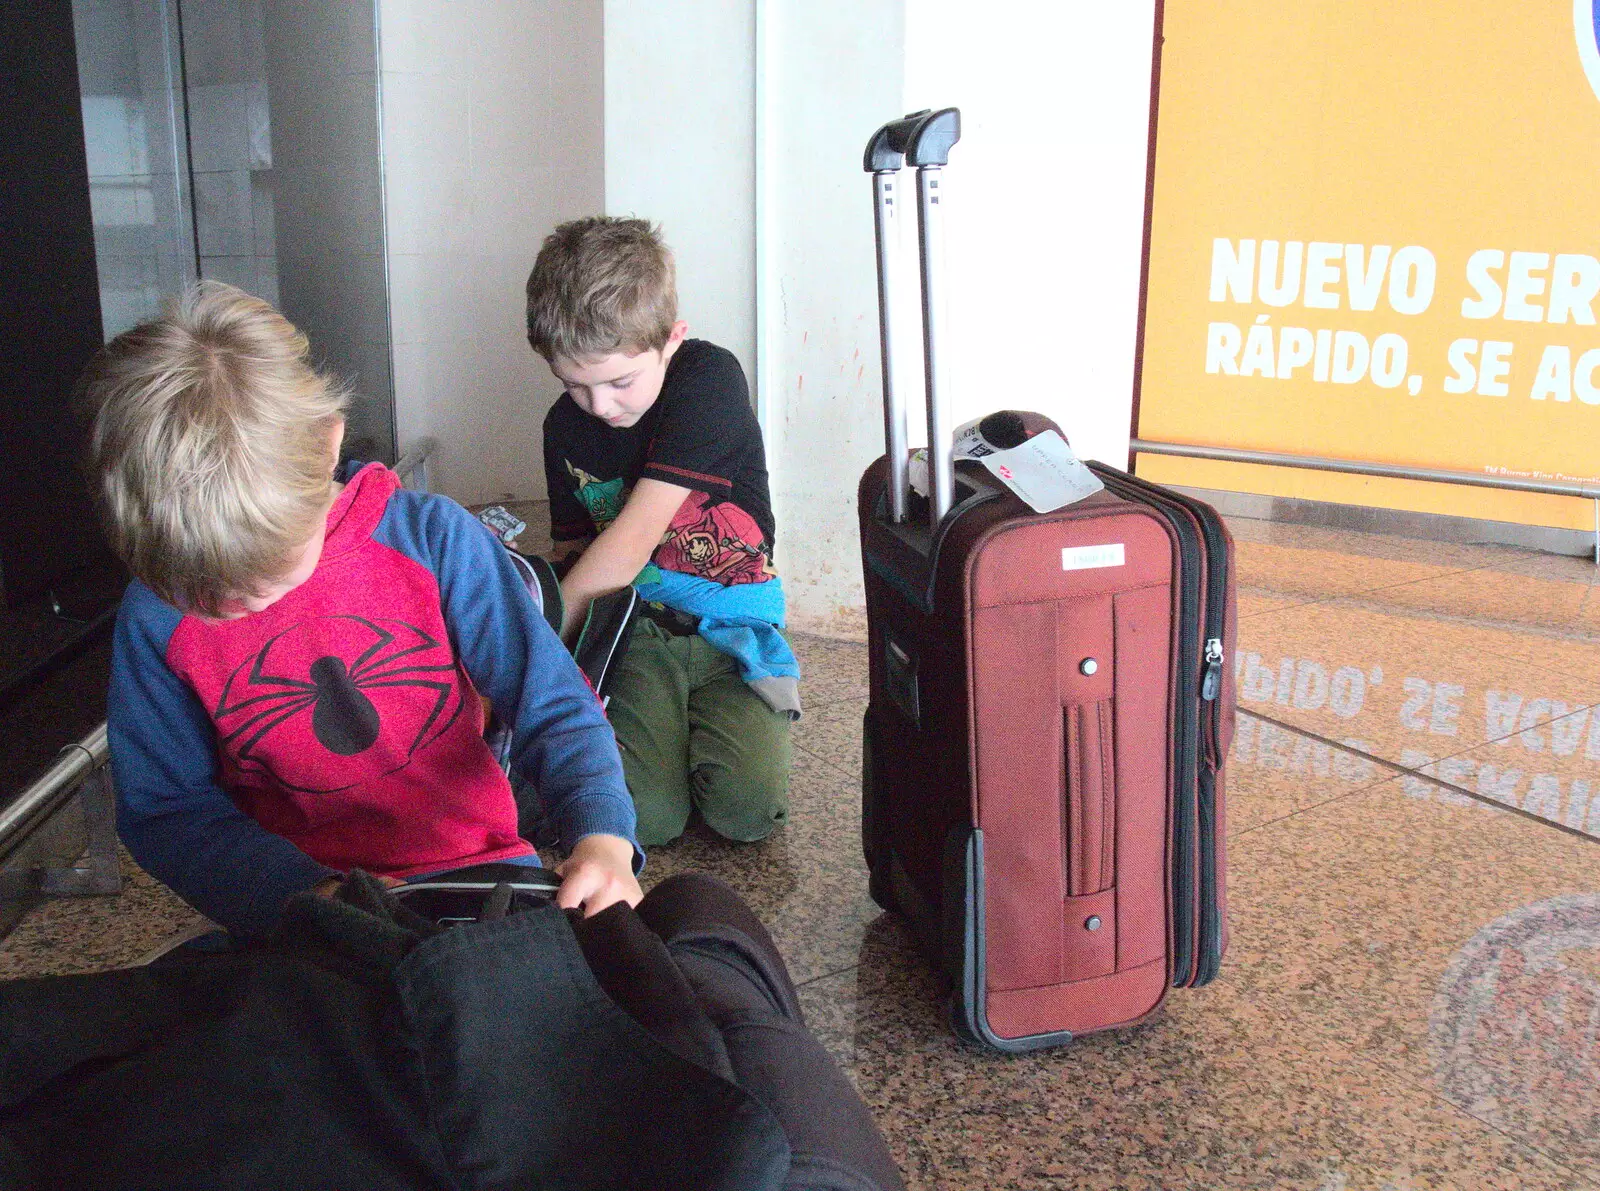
<point x="732" y="968"/>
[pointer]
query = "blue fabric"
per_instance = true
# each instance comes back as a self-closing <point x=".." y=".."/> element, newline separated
<point x="742" y="620"/>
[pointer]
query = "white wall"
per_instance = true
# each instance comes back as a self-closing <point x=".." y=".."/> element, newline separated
<point x="834" y="72"/>
<point x="680" y="150"/>
<point x="493" y="134"/>
<point x="1046" y="202"/>
<point x="1045" y="219"/>
<point x="681" y="142"/>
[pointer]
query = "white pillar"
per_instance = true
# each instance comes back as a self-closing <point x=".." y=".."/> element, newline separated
<point x="493" y="133"/>
<point x="835" y="71"/>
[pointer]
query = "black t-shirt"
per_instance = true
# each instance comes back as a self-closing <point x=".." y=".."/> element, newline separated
<point x="700" y="434"/>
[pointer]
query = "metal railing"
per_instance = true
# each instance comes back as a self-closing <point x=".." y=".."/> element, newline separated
<point x="412" y="467"/>
<point x="79" y="769"/>
<point x="1572" y="488"/>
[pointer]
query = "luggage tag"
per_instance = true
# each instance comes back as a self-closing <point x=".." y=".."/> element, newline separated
<point x="1041" y="470"/>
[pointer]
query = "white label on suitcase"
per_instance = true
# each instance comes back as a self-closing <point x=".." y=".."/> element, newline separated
<point x="1084" y="558"/>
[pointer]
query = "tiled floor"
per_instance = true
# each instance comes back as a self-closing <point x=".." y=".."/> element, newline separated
<point x="1411" y="998"/>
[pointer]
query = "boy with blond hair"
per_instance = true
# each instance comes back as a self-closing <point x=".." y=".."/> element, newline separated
<point x="657" y="477"/>
<point x="298" y="661"/>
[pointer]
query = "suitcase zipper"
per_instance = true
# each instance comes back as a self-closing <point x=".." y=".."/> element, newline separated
<point x="1216" y="557"/>
<point x="1210" y="959"/>
<point x="1186" y="719"/>
<point x="1212" y="683"/>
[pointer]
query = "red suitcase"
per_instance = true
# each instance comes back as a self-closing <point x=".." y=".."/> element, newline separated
<point x="1050" y="710"/>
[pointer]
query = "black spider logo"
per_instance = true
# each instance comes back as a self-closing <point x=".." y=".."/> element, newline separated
<point x="261" y="708"/>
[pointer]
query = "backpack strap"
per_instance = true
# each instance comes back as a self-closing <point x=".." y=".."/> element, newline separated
<point x="540" y="578"/>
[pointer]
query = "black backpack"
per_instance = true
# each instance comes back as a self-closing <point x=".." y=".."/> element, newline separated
<point x="607" y="628"/>
<point x="599" y="650"/>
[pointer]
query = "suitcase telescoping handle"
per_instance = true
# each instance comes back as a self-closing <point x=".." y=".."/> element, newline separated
<point x="923" y="140"/>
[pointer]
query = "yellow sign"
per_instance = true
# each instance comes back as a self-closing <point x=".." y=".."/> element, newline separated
<point x="1376" y="236"/>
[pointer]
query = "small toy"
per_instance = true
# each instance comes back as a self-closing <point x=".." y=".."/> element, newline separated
<point x="505" y="524"/>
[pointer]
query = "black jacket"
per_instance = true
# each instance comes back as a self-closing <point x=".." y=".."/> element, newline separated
<point x="365" y="1048"/>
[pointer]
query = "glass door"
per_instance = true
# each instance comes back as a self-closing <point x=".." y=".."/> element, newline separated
<point x="238" y="141"/>
<point x="131" y="81"/>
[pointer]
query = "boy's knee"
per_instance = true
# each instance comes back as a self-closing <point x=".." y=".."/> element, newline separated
<point x="661" y="802"/>
<point x="746" y="802"/>
<point x="746" y="824"/>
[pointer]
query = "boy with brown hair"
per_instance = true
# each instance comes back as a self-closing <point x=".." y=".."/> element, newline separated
<point x="298" y="661"/>
<point x="657" y="477"/>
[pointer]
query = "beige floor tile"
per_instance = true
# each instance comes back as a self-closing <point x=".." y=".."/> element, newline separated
<point x="807" y="881"/>
<point x="66" y="936"/>
<point x="832" y="733"/>
<point x="1572" y="654"/>
<point x="1274" y="771"/>
<point x="1586" y="623"/>
<point x="1319" y="574"/>
<point x="1488" y="596"/>
<point x="1373" y="545"/>
<point x="1450" y="555"/>
<point x="1487" y="583"/>
<point x="1551" y="770"/>
<point x="1577" y="569"/>
<point x="830" y="670"/>
<point x="1213" y="1092"/>
<point x="1254" y="600"/>
<point x="1457" y="946"/>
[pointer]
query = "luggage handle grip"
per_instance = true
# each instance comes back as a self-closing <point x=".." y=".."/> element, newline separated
<point x="919" y="139"/>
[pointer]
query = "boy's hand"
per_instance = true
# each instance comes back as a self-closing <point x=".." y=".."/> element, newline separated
<point x="599" y="873"/>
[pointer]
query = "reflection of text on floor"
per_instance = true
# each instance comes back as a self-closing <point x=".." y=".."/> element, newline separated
<point x="1530" y="727"/>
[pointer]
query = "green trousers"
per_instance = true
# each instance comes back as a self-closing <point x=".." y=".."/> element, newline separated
<point x="694" y="735"/>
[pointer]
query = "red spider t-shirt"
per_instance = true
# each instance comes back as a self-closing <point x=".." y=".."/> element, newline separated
<point x="344" y="719"/>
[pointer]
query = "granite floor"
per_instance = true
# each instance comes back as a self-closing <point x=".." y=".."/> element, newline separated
<point x="1411" y="998"/>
